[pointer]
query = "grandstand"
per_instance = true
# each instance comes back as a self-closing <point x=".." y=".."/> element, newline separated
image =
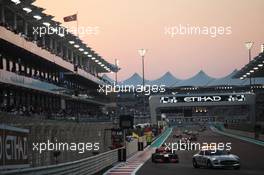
<point x="48" y="84"/>
<point x="46" y="74"/>
<point x="254" y="70"/>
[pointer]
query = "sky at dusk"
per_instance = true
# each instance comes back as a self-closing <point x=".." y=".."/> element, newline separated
<point x="124" y="26"/>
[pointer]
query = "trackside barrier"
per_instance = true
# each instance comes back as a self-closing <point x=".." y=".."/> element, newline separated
<point x="87" y="166"/>
<point x="247" y="139"/>
<point x="122" y="155"/>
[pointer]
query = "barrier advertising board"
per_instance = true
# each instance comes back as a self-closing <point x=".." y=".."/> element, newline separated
<point x="13" y="147"/>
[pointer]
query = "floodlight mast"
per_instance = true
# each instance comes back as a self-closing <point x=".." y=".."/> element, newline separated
<point x="249" y="45"/>
<point x="142" y="53"/>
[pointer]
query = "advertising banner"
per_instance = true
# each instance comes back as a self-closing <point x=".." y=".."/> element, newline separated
<point x="13" y="147"/>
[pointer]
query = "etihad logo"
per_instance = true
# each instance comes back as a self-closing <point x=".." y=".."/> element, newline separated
<point x="166" y="100"/>
<point x="203" y="99"/>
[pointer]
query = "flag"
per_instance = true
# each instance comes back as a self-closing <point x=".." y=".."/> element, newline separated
<point x="70" y="18"/>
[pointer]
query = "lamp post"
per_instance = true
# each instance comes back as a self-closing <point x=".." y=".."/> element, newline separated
<point x="116" y="96"/>
<point x="249" y="45"/>
<point x="142" y="53"/>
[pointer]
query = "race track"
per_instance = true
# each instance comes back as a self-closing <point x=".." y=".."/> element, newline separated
<point x="251" y="156"/>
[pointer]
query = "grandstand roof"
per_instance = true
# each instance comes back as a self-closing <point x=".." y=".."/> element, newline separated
<point x="227" y="80"/>
<point x="167" y="79"/>
<point x="135" y="79"/>
<point x="19" y="6"/>
<point x="201" y="79"/>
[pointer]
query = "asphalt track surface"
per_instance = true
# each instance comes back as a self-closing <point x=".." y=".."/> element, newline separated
<point x="251" y="159"/>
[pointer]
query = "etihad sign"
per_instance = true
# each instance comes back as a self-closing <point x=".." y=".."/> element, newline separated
<point x="203" y="99"/>
<point x="211" y="98"/>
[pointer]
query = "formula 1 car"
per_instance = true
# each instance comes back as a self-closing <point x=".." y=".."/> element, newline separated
<point x="216" y="159"/>
<point x="164" y="155"/>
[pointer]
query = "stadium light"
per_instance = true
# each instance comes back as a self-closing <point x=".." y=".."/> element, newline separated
<point x="262" y="48"/>
<point x="76" y="46"/>
<point x="142" y="53"/>
<point x="26" y="9"/>
<point x="249" y="44"/>
<point x="37" y="17"/>
<point x="85" y="53"/>
<point x="16" y="1"/>
<point x="96" y="61"/>
<point x="93" y="58"/>
<point x="61" y="34"/>
<point x="255" y="68"/>
<point x="46" y="24"/>
<point x="260" y="65"/>
<point x="71" y="42"/>
<point x="81" y="49"/>
<point x="251" y="71"/>
<point x="90" y="55"/>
